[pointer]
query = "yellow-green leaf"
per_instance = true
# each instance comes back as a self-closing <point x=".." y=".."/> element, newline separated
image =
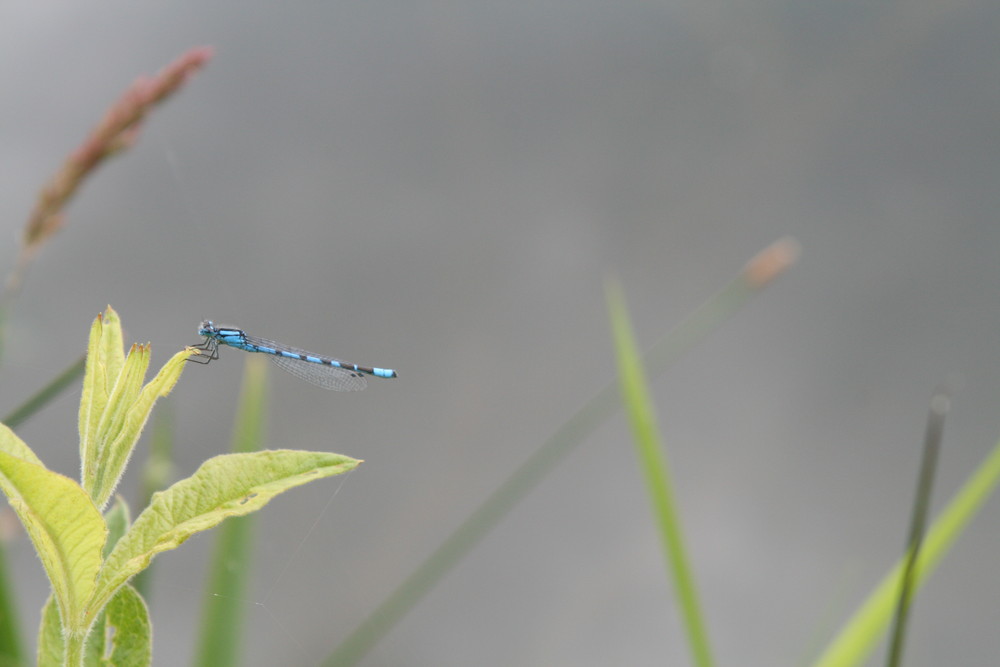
<point x="67" y="530"/>
<point x="124" y="628"/>
<point x="125" y="415"/>
<point x="116" y="454"/>
<point x="105" y="358"/>
<point x="98" y="478"/>
<point x="224" y="486"/>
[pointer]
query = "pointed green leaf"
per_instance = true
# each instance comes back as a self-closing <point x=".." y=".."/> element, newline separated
<point x="137" y="414"/>
<point x="126" y="415"/>
<point x="163" y="383"/>
<point x="224" y="486"/>
<point x="51" y="646"/>
<point x="67" y="530"/>
<point x="98" y="477"/>
<point x="105" y="358"/>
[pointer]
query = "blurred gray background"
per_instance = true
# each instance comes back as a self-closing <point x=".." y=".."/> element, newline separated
<point x="441" y="188"/>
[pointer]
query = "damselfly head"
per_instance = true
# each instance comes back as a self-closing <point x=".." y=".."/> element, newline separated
<point x="206" y="328"/>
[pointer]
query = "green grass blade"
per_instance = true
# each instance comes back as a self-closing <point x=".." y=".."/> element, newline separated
<point x="653" y="461"/>
<point x="758" y="273"/>
<point x="225" y="594"/>
<point x="857" y="639"/>
<point x="46" y="394"/>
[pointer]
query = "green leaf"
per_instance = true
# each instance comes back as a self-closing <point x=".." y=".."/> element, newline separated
<point x="124" y="627"/>
<point x="224" y="486"/>
<point x="105" y="358"/>
<point x="138" y="412"/>
<point x="67" y="530"/>
<point x="122" y="635"/>
<point x="99" y="478"/>
<point x="642" y="417"/>
<point x="115" y="406"/>
<point x="51" y="645"/>
<point x="223" y="607"/>
<point x="125" y="414"/>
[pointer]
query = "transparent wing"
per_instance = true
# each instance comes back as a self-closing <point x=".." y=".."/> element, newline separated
<point x="321" y="375"/>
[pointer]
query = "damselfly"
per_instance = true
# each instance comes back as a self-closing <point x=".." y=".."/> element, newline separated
<point x="322" y="371"/>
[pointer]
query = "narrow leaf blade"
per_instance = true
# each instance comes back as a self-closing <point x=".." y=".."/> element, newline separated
<point x="105" y="358"/>
<point x="99" y="478"/>
<point x="652" y="460"/>
<point x="118" y="444"/>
